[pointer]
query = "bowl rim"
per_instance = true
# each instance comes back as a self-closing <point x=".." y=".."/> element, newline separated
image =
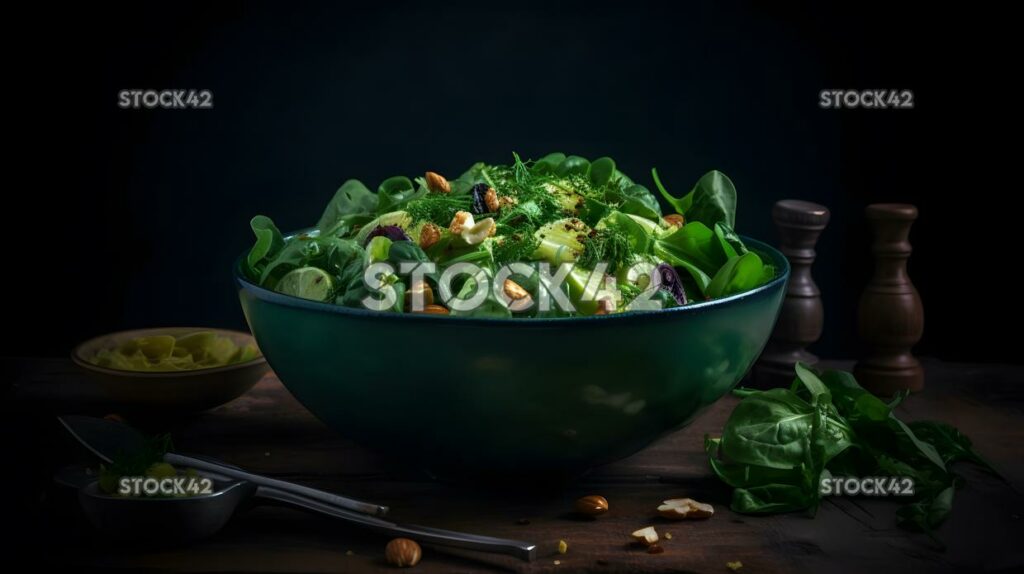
<point x="777" y="258"/>
<point x="79" y="359"/>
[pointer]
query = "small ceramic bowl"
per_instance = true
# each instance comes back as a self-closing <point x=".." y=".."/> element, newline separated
<point x="172" y="391"/>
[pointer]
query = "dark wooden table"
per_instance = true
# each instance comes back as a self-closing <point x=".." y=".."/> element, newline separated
<point x="267" y="431"/>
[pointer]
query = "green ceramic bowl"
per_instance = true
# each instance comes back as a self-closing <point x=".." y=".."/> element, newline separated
<point x="519" y="397"/>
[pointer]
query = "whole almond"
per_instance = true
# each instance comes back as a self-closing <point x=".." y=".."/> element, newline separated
<point x="592" y="505"/>
<point x="437" y="183"/>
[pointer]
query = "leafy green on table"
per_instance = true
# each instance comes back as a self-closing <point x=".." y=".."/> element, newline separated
<point x="778" y="445"/>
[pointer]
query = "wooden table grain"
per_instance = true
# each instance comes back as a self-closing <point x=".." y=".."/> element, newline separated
<point x="269" y="432"/>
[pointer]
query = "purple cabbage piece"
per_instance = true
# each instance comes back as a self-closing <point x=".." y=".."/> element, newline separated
<point x="392" y="232"/>
<point x="478" y="192"/>
<point x="671" y="283"/>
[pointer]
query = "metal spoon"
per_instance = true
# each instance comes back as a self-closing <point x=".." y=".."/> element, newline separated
<point x="177" y="520"/>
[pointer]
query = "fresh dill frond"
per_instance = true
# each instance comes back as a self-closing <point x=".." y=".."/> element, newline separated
<point x="518" y="246"/>
<point x="438" y="208"/>
<point x="608" y="245"/>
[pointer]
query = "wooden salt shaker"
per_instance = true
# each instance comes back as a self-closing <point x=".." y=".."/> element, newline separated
<point x="801" y="320"/>
<point x="891" y="316"/>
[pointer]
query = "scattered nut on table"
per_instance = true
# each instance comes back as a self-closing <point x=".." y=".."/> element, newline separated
<point x="685" y="508"/>
<point x="646" y="536"/>
<point x="591" y="505"/>
<point x="563" y="547"/>
<point x="403" y="553"/>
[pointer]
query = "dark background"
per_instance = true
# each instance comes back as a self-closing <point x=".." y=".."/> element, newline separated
<point x="132" y="218"/>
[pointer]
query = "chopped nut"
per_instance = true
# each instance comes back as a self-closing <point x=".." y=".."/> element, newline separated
<point x="674" y="219"/>
<point x="680" y="508"/>
<point x="592" y="505"/>
<point x="557" y="562"/>
<point x="418" y="296"/>
<point x="403" y="553"/>
<point x="519" y="298"/>
<point x="734" y="566"/>
<point x="477" y="232"/>
<point x="491" y="199"/>
<point x="462" y="220"/>
<point x="433" y="310"/>
<point x="563" y="547"/>
<point x="437" y="183"/>
<point x="429" y="235"/>
<point x="605" y="306"/>
<point x="646" y="536"/>
<point x="667" y="535"/>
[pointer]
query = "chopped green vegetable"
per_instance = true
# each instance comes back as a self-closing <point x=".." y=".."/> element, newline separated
<point x="199" y="350"/>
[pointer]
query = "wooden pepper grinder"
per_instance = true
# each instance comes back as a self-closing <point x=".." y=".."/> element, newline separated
<point x="800" y="322"/>
<point x="891" y="316"/>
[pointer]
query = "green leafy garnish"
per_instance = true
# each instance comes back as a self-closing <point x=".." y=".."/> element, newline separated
<point x="779" y="444"/>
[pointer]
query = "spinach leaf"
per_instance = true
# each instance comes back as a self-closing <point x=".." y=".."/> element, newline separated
<point x="950" y="443"/>
<point x="269" y="243"/>
<point x="693" y="243"/>
<point x="353" y="203"/>
<point x="547" y="164"/>
<point x="395" y="192"/>
<point x="601" y="171"/>
<point x="770" y="429"/>
<point x="573" y="165"/>
<point x="739" y="274"/>
<point x="712" y="200"/>
<point x="635" y="199"/>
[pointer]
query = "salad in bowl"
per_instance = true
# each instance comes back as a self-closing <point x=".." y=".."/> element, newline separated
<point x="560" y="236"/>
<point x="530" y="320"/>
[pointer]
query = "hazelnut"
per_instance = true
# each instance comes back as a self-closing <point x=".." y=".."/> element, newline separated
<point x="674" y="219"/>
<point x="491" y="199"/>
<point x="682" y="508"/>
<point x="647" y="536"/>
<point x="403" y="553"/>
<point x="437" y="183"/>
<point x="592" y="505"/>
<point x="429" y="235"/>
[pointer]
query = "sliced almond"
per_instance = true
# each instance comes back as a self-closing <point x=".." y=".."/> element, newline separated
<point x="685" y="508"/>
<point x="646" y="536"/>
<point x="519" y="299"/>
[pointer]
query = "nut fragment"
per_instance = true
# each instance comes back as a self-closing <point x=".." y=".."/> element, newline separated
<point x="429" y="235"/>
<point x="419" y="296"/>
<point x="563" y="546"/>
<point x="646" y="536"/>
<point x="475" y="233"/>
<point x="674" y="219"/>
<point x="433" y="310"/>
<point x="462" y="220"/>
<point x="403" y="553"/>
<point x="491" y="199"/>
<point x="437" y="183"/>
<point x="734" y="566"/>
<point x="592" y="505"/>
<point x="519" y="298"/>
<point x="681" y="508"/>
<point x="507" y="200"/>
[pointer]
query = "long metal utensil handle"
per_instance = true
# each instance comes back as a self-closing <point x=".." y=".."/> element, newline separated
<point x="436" y="536"/>
<point x="306" y="492"/>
